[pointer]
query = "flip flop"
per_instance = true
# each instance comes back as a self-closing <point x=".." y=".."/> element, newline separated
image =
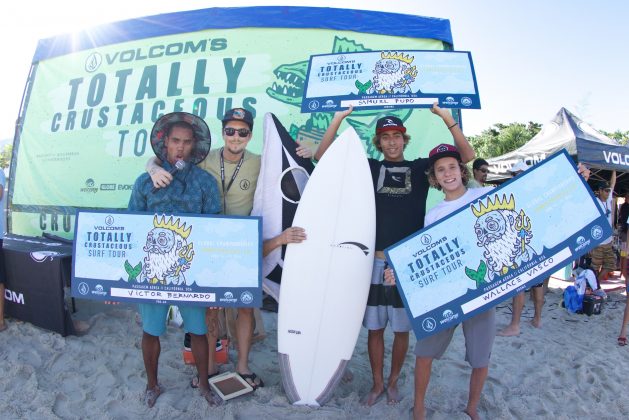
<point x="194" y="382"/>
<point x="622" y="341"/>
<point x="251" y="380"/>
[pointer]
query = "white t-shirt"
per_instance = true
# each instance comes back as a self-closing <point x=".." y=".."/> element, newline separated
<point x="607" y="208"/>
<point x="444" y="208"/>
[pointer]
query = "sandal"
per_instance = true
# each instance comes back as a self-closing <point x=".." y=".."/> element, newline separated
<point x="150" y="395"/>
<point x="251" y="380"/>
<point x="194" y="382"/>
<point x="622" y="341"/>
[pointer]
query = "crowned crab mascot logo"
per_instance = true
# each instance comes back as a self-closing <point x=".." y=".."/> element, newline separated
<point x="393" y="73"/>
<point x="168" y="254"/>
<point x="505" y="234"/>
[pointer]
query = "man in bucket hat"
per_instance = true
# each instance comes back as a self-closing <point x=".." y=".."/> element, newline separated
<point x="401" y="188"/>
<point x="236" y="170"/>
<point x="179" y="139"/>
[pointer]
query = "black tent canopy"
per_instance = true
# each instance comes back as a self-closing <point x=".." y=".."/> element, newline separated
<point x="584" y="143"/>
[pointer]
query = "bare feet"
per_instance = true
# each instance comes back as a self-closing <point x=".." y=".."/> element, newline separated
<point x="211" y="397"/>
<point x="509" y="331"/>
<point x="393" y="395"/>
<point x="3" y="326"/>
<point x="537" y="323"/>
<point x="372" y="397"/>
<point x="473" y="414"/>
<point x="418" y="414"/>
<point x="150" y="395"/>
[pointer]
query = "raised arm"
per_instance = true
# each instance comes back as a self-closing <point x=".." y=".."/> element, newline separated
<point x="612" y="181"/>
<point x="330" y="133"/>
<point x="461" y="143"/>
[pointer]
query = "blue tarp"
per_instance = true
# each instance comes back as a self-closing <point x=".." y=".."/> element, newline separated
<point x="381" y="23"/>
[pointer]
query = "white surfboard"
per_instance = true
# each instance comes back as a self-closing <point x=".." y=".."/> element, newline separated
<point x="283" y="177"/>
<point x="326" y="278"/>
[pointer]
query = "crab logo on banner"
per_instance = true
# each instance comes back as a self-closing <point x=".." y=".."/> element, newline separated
<point x="168" y="252"/>
<point x="393" y="73"/>
<point x="505" y="234"/>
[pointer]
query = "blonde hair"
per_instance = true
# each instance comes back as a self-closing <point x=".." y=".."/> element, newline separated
<point x="432" y="178"/>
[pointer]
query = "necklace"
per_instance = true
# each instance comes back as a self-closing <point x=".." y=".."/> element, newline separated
<point x="231" y="181"/>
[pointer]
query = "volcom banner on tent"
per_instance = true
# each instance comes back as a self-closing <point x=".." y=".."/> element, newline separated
<point x="93" y="97"/>
<point x="564" y="131"/>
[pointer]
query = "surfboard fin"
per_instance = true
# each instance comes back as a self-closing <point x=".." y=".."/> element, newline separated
<point x="287" y="379"/>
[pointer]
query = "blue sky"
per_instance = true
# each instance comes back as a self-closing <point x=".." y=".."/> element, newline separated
<point x="531" y="57"/>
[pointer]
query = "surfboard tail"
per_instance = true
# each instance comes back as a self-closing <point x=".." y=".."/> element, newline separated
<point x="291" y="389"/>
<point x="325" y="396"/>
<point x="287" y="379"/>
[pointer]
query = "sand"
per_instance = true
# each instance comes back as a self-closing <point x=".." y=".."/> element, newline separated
<point x="570" y="368"/>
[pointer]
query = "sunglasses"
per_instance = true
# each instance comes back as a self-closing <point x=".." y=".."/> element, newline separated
<point x="242" y="132"/>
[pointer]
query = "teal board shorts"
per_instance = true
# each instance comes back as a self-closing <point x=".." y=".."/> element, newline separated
<point x="154" y="318"/>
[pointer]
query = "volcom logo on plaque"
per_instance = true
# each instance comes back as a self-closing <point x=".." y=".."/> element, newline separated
<point x="84" y="288"/>
<point x="429" y="324"/>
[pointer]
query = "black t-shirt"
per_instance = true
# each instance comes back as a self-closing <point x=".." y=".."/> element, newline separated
<point x="401" y="189"/>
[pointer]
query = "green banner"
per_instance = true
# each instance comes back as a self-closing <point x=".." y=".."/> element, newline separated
<point x="85" y="136"/>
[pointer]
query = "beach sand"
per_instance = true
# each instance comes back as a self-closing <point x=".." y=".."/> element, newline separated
<point x="570" y="368"/>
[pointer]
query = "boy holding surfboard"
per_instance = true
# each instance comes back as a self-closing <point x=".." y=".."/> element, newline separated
<point x="401" y="189"/>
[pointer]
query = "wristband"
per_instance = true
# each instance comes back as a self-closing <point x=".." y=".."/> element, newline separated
<point x="455" y="124"/>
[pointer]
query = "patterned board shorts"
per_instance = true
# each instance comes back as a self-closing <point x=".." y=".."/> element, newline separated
<point x="603" y="255"/>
